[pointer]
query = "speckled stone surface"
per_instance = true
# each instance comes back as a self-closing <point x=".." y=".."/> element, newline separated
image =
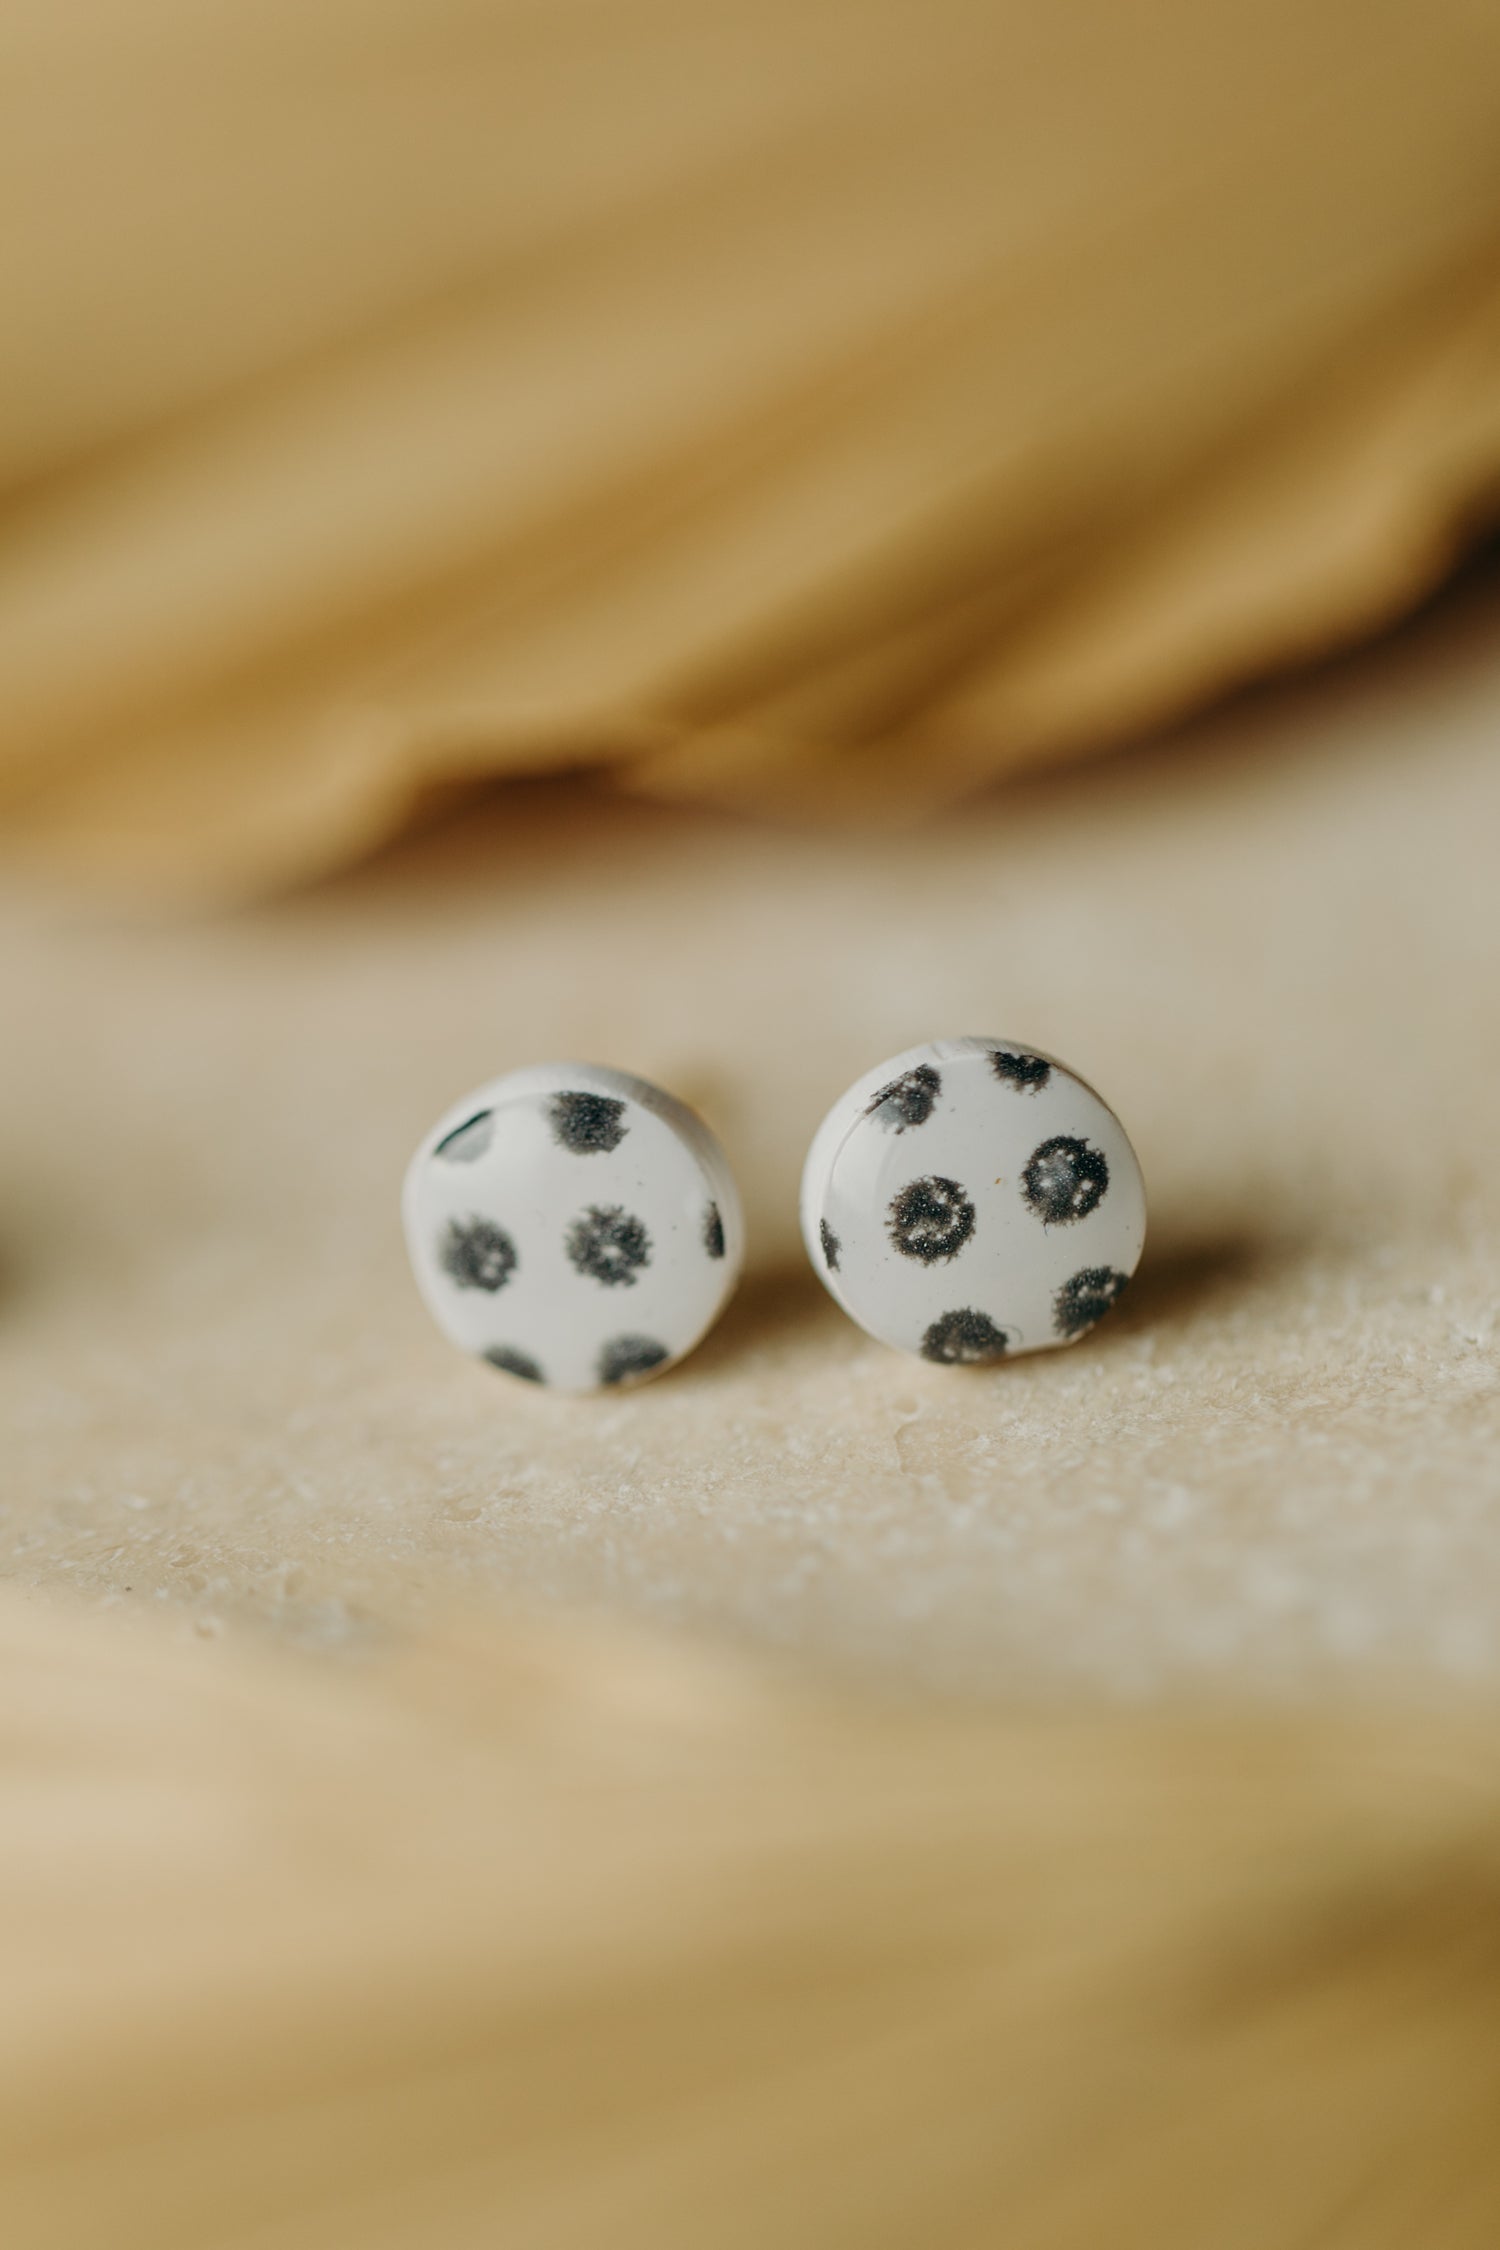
<point x="1274" y="945"/>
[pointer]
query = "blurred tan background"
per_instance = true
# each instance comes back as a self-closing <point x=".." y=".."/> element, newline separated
<point x="627" y="530"/>
<point x="825" y="406"/>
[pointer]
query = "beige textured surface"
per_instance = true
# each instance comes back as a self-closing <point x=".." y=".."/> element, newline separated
<point x="1276" y="947"/>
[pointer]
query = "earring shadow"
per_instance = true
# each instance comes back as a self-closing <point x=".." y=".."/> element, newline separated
<point x="1180" y="1281"/>
<point x="769" y="1317"/>
<point x="1187" y="1278"/>
<point x="13" y="1272"/>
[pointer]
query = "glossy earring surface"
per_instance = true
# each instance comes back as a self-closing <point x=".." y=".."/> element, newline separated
<point x="573" y="1226"/>
<point x="973" y="1199"/>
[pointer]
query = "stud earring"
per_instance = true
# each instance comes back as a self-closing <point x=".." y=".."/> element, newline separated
<point x="573" y="1226"/>
<point x="971" y="1200"/>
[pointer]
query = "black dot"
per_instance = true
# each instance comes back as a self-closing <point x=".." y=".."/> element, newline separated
<point x="933" y="1218"/>
<point x="1027" y="1073"/>
<point x="476" y="1254"/>
<point x="626" y="1357"/>
<point x="1064" y="1180"/>
<point x="713" y="1231"/>
<point x="908" y="1100"/>
<point x="469" y="1140"/>
<point x="1086" y="1298"/>
<point x="608" y="1245"/>
<point x="964" y="1339"/>
<point x="515" y="1363"/>
<point x="588" y="1124"/>
<point x="831" y="1245"/>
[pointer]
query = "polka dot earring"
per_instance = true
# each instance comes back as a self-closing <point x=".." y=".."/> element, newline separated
<point x="573" y="1226"/>
<point x="972" y="1200"/>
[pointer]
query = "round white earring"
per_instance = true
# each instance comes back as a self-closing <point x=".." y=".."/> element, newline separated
<point x="973" y="1199"/>
<point x="573" y="1226"/>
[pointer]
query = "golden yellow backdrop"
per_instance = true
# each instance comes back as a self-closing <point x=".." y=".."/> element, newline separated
<point x="829" y="404"/>
<point x="560" y="1941"/>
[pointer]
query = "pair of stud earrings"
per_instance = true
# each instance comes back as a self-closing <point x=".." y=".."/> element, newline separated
<point x="966" y="1201"/>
